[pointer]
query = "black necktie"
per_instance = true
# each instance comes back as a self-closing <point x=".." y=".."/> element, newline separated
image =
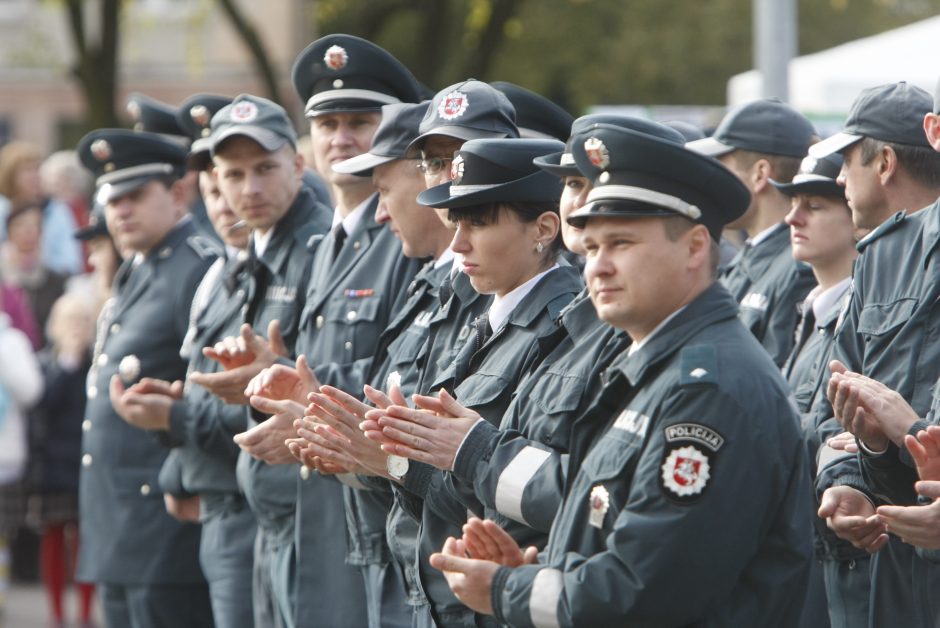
<point x="339" y="237"/>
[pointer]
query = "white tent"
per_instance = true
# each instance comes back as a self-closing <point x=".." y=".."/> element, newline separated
<point x="825" y="83"/>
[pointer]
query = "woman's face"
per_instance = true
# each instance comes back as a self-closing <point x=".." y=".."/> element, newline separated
<point x="25" y="231"/>
<point x="27" y="186"/>
<point x="498" y="255"/>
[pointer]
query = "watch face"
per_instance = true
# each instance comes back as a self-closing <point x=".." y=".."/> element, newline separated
<point x="397" y="466"/>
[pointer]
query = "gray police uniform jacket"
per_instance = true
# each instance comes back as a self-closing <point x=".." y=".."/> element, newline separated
<point x="127" y="537"/>
<point x="482" y="378"/>
<point x="691" y="508"/>
<point x="518" y="468"/>
<point x="887" y="335"/>
<point x="769" y="285"/>
<point x="350" y="302"/>
<point x="273" y="287"/>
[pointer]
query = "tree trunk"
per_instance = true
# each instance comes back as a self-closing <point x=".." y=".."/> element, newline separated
<point x="255" y="46"/>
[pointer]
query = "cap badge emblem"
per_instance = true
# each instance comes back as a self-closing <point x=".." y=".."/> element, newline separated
<point x="600" y="503"/>
<point x="244" y="111"/>
<point x="452" y="106"/>
<point x="133" y="110"/>
<point x="597" y="153"/>
<point x="456" y="170"/>
<point x="200" y="115"/>
<point x="335" y="57"/>
<point x="101" y="149"/>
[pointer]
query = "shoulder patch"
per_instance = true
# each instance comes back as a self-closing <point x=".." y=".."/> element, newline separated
<point x="688" y="460"/>
<point x="698" y="365"/>
<point x="313" y="242"/>
<point x="203" y="246"/>
<point x="886" y="227"/>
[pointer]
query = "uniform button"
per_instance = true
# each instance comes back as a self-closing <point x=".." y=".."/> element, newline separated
<point x="240" y="293"/>
<point x="102" y="359"/>
<point x="86" y="425"/>
<point x="145" y="489"/>
<point x="356" y="245"/>
<point x="92" y="392"/>
<point x="165" y="252"/>
<point x="320" y="321"/>
<point x="304" y="472"/>
<point x="351" y="315"/>
<point x="348" y="346"/>
<point x="115" y="328"/>
<point x="86" y="460"/>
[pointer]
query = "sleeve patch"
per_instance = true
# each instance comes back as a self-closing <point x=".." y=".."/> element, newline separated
<point x="688" y="460"/>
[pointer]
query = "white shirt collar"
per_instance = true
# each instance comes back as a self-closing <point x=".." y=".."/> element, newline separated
<point x="351" y="221"/>
<point x="260" y="242"/>
<point x="824" y="302"/>
<point x="636" y="346"/>
<point x="763" y="235"/>
<point x="503" y="306"/>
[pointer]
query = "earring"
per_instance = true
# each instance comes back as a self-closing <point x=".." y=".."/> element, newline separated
<point x="539" y="247"/>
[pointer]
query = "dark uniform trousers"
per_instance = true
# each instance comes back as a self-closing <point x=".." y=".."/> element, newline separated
<point x="691" y="509"/>
<point x="483" y="377"/>
<point x="203" y="426"/>
<point x="272" y="287"/>
<point x="517" y="469"/>
<point x="350" y="302"/>
<point x="888" y="333"/>
<point x="839" y="580"/>
<point x="145" y="561"/>
<point x="769" y="285"/>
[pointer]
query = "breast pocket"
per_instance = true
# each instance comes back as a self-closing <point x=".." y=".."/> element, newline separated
<point x="355" y="323"/>
<point x="555" y="396"/>
<point x="483" y="392"/>
<point x="607" y="471"/>
<point x="879" y="323"/>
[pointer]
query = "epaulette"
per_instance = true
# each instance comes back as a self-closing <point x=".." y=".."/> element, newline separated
<point x="314" y="241"/>
<point x="204" y="247"/>
<point x="559" y="303"/>
<point x="304" y="234"/>
<point x="698" y="365"/>
<point x="886" y="227"/>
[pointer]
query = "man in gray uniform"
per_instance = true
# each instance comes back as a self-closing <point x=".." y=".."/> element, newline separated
<point x="760" y="141"/>
<point x="145" y="562"/>
<point x="692" y="402"/>
<point x="886" y="333"/>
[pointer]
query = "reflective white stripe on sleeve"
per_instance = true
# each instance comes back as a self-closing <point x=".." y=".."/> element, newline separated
<point x="512" y="481"/>
<point x="543" y="601"/>
<point x="828" y="455"/>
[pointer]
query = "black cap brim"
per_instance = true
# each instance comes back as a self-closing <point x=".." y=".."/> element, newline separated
<point x="459" y="132"/>
<point x="89" y="232"/>
<point x="526" y="189"/>
<point x="111" y="191"/>
<point x="267" y="139"/>
<point x="552" y="165"/>
<point x="820" y="187"/>
<point x="362" y="165"/>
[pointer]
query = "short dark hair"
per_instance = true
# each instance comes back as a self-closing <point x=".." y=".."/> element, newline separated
<point x="525" y="212"/>
<point x="921" y="162"/>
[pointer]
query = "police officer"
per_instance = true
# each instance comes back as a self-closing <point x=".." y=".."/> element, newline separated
<point x="888" y="160"/>
<point x="760" y="141"/>
<point x="536" y="116"/>
<point x="669" y="466"/>
<point x="823" y="236"/>
<point x="145" y="562"/>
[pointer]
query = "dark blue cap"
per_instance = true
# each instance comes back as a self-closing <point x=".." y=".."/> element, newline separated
<point x="816" y="176"/>
<point x="96" y="227"/>
<point x="688" y="130"/>
<point x="123" y="160"/>
<point x="194" y="116"/>
<point x="645" y="170"/>
<point x="341" y="73"/>
<point x="766" y="126"/>
<point x="497" y="171"/>
<point x="536" y="116"/>
<point x="470" y="110"/>
<point x="153" y="116"/>
<point x="253" y="117"/>
<point x="562" y="164"/>
<point x="891" y="113"/>
<point x="399" y="127"/>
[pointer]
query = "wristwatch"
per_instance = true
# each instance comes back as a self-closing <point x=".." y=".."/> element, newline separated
<point x="397" y="466"/>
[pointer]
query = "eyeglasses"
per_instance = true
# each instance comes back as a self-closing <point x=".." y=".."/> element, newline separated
<point x="433" y="165"/>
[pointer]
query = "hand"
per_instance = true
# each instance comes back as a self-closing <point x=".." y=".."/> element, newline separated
<point x="334" y="416"/>
<point x="306" y="456"/>
<point x="146" y="411"/>
<point x="370" y="426"/>
<point x="470" y="579"/>
<point x="279" y="382"/>
<point x="241" y="358"/>
<point x="486" y="540"/>
<point x="182" y="508"/>
<point x="154" y="386"/>
<point x="265" y="441"/>
<point x="852" y="517"/>
<point x="432" y="434"/>
<point x="925" y="450"/>
<point x="844" y="392"/>
<point x="843" y="442"/>
<point x="916" y="525"/>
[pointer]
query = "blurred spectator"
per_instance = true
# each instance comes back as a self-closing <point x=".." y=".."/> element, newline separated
<point x="56" y="437"/>
<point x="64" y="179"/>
<point x="20" y="186"/>
<point x="21" y="263"/>
<point x="15" y="304"/>
<point x="20" y="387"/>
